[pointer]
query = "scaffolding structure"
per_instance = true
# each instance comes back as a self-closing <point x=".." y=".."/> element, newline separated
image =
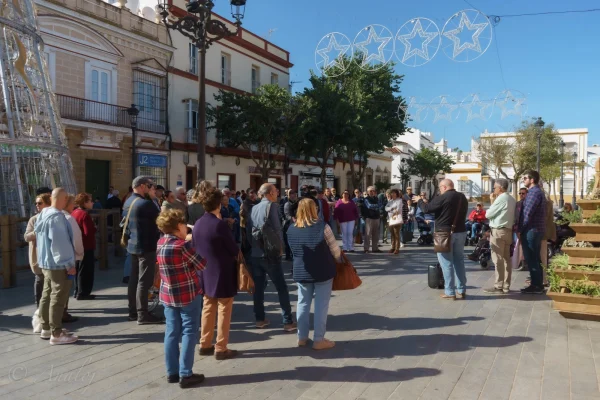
<point x="34" y="151"/>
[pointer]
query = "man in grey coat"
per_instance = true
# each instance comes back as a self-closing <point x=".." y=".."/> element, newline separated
<point x="267" y="211"/>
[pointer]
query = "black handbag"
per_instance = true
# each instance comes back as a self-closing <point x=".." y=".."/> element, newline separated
<point x="442" y="240"/>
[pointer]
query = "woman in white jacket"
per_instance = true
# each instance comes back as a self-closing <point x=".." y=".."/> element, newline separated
<point x="394" y="210"/>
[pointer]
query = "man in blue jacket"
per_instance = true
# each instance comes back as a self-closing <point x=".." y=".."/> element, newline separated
<point x="56" y="258"/>
<point x="143" y="237"/>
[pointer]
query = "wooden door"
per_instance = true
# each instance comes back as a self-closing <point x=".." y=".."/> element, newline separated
<point x="97" y="178"/>
<point x="191" y="177"/>
<point x="294" y="182"/>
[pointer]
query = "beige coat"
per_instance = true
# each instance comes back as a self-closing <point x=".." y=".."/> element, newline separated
<point x="30" y="238"/>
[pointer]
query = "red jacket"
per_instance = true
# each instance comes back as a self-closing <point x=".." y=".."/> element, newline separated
<point x="477" y="216"/>
<point x="325" y="210"/>
<point x="88" y="229"/>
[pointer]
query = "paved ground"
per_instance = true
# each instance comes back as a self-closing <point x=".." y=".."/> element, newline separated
<point x="395" y="340"/>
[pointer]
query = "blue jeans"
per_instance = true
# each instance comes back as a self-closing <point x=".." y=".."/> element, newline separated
<point x="530" y="243"/>
<point x="127" y="266"/>
<point x="453" y="265"/>
<point x="183" y="324"/>
<point x="474" y="228"/>
<point x="322" y="293"/>
<point x="260" y="269"/>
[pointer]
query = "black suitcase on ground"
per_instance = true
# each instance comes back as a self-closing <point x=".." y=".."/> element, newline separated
<point x="435" y="277"/>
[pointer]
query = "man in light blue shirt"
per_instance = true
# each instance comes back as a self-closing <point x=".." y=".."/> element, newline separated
<point x="56" y="258"/>
<point x="502" y="218"/>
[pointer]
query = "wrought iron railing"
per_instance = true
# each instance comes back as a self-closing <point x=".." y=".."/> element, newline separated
<point x="103" y="113"/>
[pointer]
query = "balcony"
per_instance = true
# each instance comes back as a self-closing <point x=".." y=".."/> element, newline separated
<point x="96" y="112"/>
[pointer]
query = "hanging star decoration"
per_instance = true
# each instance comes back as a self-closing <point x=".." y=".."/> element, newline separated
<point x="409" y="51"/>
<point x="379" y="56"/>
<point x="324" y="53"/>
<point x="443" y="104"/>
<point x="518" y="105"/>
<point x="476" y="102"/>
<point x="453" y="35"/>
<point x="420" y="108"/>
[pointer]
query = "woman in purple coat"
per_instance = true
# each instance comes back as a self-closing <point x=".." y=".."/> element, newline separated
<point x="213" y="239"/>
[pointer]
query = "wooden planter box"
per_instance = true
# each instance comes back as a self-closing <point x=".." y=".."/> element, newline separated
<point x="573" y="274"/>
<point x="587" y="232"/>
<point x="582" y="255"/>
<point x="589" y="207"/>
<point x="575" y="303"/>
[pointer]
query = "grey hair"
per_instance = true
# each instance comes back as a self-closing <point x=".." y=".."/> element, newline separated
<point x="265" y="188"/>
<point x="503" y="183"/>
<point x="179" y="189"/>
<point x="371" y="188"/>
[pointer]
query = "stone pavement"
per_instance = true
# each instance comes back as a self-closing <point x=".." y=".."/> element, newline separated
<point x="395" y="340"/>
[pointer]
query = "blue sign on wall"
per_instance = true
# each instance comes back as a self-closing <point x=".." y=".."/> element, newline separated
<point x="152" y="160"/>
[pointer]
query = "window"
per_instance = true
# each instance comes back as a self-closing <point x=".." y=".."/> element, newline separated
<point x="225" y="69"/>
<point x="226" y="180"/>
<point x="193" y="51"/>
<point x="255" y="78"/>
<point x="274" y="79"/>
<point x="149" y="93"/>
<point x="158" y="174"/>
<point x="464" y="186"/>
<point x="568" y="185"/>
<point x="191" y="134"/>
<point x="100" y="86"/>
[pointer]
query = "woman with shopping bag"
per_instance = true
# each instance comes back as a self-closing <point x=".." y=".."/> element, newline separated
<point x="315" y="253"/>
<point x="395" y="210"/>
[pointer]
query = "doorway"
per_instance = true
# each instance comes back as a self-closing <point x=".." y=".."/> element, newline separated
<point x="97" y="178"/>
<point x="255" y="181"/>
<point x="191" y="177"/>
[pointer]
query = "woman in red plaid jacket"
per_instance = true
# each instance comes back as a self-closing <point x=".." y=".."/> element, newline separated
<point x="181" y="295"/>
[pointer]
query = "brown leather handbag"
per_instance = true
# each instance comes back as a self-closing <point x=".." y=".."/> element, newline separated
<point x="442" y="240"/>
<point x="244" y="277"/>
<point x="346" y="277"/>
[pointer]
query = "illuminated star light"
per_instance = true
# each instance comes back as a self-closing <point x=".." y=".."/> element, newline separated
<point x="453" y="35"/>
<point x="444" y="104"/>
<point x="333" y="44"/>
<point x="367" y="58"/>
<point x="517" y="110"/>
<point x="475" y="102"/>
<point x="423" y="52"/>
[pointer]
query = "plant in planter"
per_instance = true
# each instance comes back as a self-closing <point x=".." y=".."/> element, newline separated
<point x="572" y="242"/>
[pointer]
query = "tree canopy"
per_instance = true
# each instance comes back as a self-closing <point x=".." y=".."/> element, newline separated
<point x="427" y="164"/>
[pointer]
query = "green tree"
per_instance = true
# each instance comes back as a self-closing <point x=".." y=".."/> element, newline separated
<point x="403" y="174"/>
<point x="427" y="164"/>
<point x="259" y="124"/>
<point x="325" y="123"/>
<point x="494" y="154"/>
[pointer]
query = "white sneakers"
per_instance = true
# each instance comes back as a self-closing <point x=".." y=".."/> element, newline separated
<point x="401" y="244"/>
<point x="36" y="323"/>
<point x="65" y="337"/>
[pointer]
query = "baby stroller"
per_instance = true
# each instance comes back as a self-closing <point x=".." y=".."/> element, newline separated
<point x="425" y="231"/>
<point x="482" y="252"/>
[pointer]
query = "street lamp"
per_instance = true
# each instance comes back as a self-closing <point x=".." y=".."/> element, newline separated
<point x="133" y="115"/>
<point x="582" y="167"/>
<point x="203" y="31"/>
<point x="561" y="200"/>
<point x="540" y="130"/>
<point x="403" y="173"/>
<point x="574" y="179"/>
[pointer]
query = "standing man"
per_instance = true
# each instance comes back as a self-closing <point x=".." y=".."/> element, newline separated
<point x="180" y="199"/>
<point x="143" y="237"/>
<point x="371" y="215"/>
<point x="289" y="219"/>
<point x="56" y="258"/>
<point x="518" y="253"/>
<point x="110" y="192"/>
<point x="383" y="200"/>
<point x="450" y="208"/>
<point x="266" y="212"/>
<point x="502" y="217"/>
<point x="532" y="226"/>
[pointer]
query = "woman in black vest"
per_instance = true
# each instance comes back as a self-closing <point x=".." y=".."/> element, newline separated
<point x="315" y="252"/>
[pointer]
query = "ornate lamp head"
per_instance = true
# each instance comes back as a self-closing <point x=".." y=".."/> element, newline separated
<point x="238" y="8"/>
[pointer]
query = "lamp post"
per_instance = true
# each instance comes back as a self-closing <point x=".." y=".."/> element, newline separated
<point x="561" y="200"/>
<point x="540" y="130"/>
<point x="582" y="180"/>
<point x="133" y="114"/>
<point x="403" y="173"/>
<point x="203" y="31"/>
<point x="574" y="201"/>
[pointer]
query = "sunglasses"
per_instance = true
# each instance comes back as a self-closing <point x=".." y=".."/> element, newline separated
<point x="522" y="194"/>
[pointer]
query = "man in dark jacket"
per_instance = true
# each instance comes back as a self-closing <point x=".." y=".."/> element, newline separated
<point x="289" y="218"/>
<point x="143" y="236"/>
<point x="450" y="209"/>
<point x="371" y="215"/>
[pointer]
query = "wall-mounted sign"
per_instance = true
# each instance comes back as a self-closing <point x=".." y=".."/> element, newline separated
<point x="256" y="170"/>
<point x="152" y="160"/>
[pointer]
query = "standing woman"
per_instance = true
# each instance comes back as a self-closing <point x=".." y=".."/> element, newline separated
<point x="84" y="280"/>
<point x="395" y="210"/>
<point x="181" y="295"/>
<point x="213" y="239"/>
<point x="346" y="213"/>
<point x="315" y="252"/>
<point x="195" y="210"/>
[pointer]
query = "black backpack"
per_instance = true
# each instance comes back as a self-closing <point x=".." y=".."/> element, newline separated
<point x="268" y="239"/>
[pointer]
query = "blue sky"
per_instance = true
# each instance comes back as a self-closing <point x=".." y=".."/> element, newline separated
<point x="552" y="59"/>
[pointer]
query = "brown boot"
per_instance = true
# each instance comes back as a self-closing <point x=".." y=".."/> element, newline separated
<point x="226" y="355"/>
